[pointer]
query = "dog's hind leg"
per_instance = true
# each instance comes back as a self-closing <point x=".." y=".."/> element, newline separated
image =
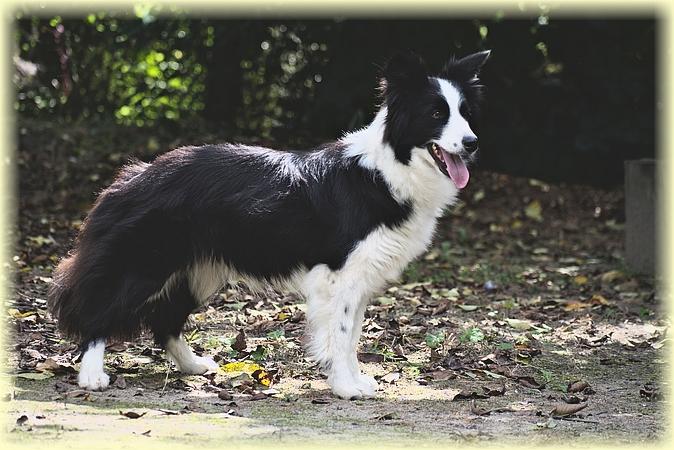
<point x="92" y="375"/>
<point x="181" y="353"/>
<point x="166" y="315"/>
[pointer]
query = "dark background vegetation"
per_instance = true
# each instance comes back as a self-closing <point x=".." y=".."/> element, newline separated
<point x="568" y="99"/>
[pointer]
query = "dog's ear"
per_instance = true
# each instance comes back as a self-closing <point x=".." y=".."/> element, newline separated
<point x="466" y="68"/>
<point x="405" y="71"/>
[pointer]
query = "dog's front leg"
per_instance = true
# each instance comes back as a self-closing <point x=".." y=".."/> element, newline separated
<point x="335" y="312"/>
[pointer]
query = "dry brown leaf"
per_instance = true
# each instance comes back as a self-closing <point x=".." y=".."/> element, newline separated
<point x="239" y="343"/>
<point x="224" y="395"/>
<point x="493" y="390"/>
<point x="599" y="300"/>
<point x="611" y="276"/>
<point x="577" y="386"/>
<point x="441" y="375"/>
<point x="529" y="382"/>
<point x="132" y="414"/>
<point x="370" y="357"/>
<point x="567" y="409"/>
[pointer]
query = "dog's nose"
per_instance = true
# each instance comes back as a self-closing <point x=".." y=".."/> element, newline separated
<point x="469" y="143"/>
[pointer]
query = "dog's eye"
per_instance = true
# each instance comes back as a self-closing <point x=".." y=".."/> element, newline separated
<point x="437" y="114"/>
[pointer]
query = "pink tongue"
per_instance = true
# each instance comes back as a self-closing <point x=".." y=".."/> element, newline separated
<point x="457" y="170"/>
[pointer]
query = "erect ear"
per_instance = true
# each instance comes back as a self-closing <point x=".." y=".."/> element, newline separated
<point x="406" y="71"/>
<point x="468" y="67"/>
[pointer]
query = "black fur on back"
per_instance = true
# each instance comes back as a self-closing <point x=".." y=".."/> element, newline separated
<point x="217" y="202"/>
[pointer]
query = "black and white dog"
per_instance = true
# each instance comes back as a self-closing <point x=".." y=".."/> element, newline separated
<point x="335" y="224"/>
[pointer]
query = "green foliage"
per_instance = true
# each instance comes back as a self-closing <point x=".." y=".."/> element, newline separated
<point x="133" y="68"/>
<point x="471" y="335"/>
<point x="303" y="82"/>
<point x="281" y="74"/>
<point x="435" y="339"/>
<point x="276" y="334"/>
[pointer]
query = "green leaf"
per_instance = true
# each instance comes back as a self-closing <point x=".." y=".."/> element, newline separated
<point x="276" y="334"/>
<point x="435" y="339"/>
<point x="473" y="335"/>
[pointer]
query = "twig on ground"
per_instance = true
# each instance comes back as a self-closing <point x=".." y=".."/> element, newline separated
<point x="572" y="419"/>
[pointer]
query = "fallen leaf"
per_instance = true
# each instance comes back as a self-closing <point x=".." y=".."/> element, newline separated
<point x="580" y="280"/>
<point x="239" y="343"/>
<point x="78" y="393"/>
<point x="282" y="316"/>
<point x="132" y="414"/>
<point x="13" y="312"/>
<point x="573" y="399"/>
<point x="529" y="382"/>
<point x="262" y="377"/>
<point x="55" y="367"/>
<point x="241" y="366"/>
<point x="468" y="307"/>
<point x="35" y="376"/>
<point x="599" y="300"/>
<point x="258" y="396"/>
<point x="117" y="347"/>
<point x="440" y="375"/>
<point x="470" y="393"/>
<point x="576" y="306"/>
<point x="493" y="390"/>
<point x="519" y="324"/>
<point x="370" y="357"/>
<point x="566" y="409"/>
<point x="391" y="377"/>
<point x="534" y="211"/>
<point x="611" y="276"/>
<point x="224" y="395"/>
<point x="577" y="386"/>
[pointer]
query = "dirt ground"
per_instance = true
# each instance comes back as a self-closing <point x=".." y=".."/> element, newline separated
<point x="520" y="325"/>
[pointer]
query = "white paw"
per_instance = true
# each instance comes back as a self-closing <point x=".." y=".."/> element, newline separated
<point x="93" y="380"/>
<point x="198" y="366"/>
<point x="367" y="382"/>
<point x="348" y="388"/>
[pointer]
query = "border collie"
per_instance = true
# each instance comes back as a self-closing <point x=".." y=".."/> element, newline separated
<point x="335" y="224"/>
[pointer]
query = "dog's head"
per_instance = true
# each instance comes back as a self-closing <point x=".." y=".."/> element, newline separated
<point x="433" y="113"/>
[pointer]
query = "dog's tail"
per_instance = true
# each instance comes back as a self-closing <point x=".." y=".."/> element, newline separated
<point x="80" y="277"/>
<point x="60" y="298"/>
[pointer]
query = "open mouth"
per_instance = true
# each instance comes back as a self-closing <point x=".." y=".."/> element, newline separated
<point x="451" y="164"/>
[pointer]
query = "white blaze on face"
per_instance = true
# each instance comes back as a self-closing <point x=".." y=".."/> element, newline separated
<point x="457" y="128"/>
